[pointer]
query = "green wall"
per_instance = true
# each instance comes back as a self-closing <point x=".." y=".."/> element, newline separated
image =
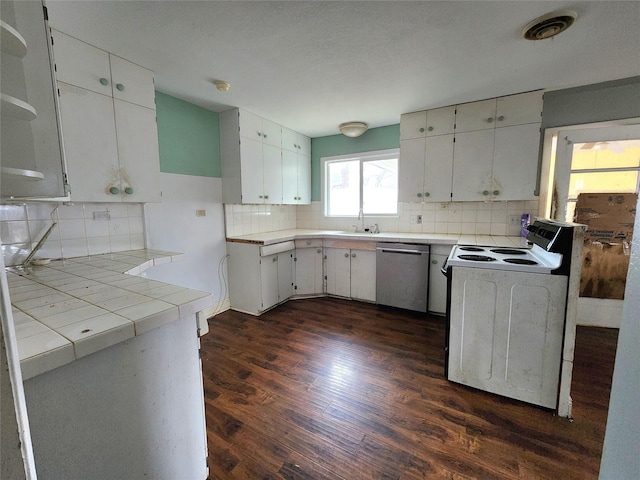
<point x="380" y="138"/>
<point x="188" y="137"/>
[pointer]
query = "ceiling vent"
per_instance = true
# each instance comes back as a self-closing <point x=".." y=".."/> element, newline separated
<point x="549" y="25"/>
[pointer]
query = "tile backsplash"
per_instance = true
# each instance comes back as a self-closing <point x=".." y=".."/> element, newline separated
<point x="471" y="218"/>
<point x="81" y="229"/>
<point x="247" y="219"/>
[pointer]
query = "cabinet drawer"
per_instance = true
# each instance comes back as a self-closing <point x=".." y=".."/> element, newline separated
<point x="309" y="243"/>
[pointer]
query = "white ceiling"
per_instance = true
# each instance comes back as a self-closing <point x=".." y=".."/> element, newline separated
<point x="311" y="65"/>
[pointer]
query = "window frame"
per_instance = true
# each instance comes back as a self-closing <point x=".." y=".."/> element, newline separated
<point x="361" y="157"/>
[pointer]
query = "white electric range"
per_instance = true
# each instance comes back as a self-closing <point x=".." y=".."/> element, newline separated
<point x="506" y="310"/>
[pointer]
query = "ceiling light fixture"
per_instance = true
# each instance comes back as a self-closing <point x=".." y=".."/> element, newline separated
<point x="222" y="86"/>
<point x="353" y="129"/>
<point x="549" y="25"/>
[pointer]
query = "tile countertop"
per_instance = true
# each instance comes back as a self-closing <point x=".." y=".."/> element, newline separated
<point x="72" y="308"/>
<point x="269" y="238"/>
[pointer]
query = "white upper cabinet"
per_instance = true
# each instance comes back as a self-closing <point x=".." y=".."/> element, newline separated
<point x="499" y="161"/>
<point x="296" y="167"/>
<point x="263" y="162"/>
<point x="107" y="109"/>
<point x="32" y="159"/>
<point x="413" y="125"/>
<point x="477" y="151"/>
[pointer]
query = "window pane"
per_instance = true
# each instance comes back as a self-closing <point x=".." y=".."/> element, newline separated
<point x="602" y="182"/>
<point x="380" y="186"/>
<point x="343" y="187"/>
<point x="624" y="153"/>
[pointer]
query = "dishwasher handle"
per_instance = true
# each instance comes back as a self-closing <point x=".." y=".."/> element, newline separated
<point x="403" y="251"/>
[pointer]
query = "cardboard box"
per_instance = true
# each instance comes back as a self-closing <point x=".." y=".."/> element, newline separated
<point x="609" y="216"/>
<point x="607" y="242"/>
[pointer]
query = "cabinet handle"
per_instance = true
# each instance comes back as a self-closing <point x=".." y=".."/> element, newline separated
<point x="426" y="194"/>
<point x="120" y="86"/>
<point x="275" y="259"/>
<point x="114" y="190"/>
<point x="319" y="250"/>
<point x="353" y="255"/>
<point x="496" y="192"/>
<point x="421" y="129"/>
<point x="485" y="192"/>
<point x="346" y="255"/>
<point x="259" y="134"/>
<point x="104" y="81"/>
<point x="128" y="190"/>
<point x="501" y="118"/>
<point x="430" y="129"/>
<point x="264" y="135"/>
<point x="435" y="262"/>
<point x="295" y="146"/>
<point x="490" y="120"/>
<point x="419" y="195"/>
<point x="266" y="196"/>
<point x="260" y="196"/>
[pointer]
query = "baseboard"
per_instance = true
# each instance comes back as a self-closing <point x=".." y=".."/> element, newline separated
<point x="599" y="312"/>
<point x="203" y="315"/>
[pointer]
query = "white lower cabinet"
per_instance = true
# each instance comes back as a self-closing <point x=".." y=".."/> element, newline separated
<point x="437" y="281"/>
<point x="351" y="273"/>
<point x="506" y="331"/>
<point x="259" y="276"/>
<point x="309" y="278"/>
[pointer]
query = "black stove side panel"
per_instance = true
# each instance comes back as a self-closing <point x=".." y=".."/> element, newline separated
<point x="447" y="323"/>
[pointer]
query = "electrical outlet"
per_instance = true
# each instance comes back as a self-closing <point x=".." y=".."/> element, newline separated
<point x="418" y="218"/>
<point x="101" y="216"/>
<point x="514" y="220"/>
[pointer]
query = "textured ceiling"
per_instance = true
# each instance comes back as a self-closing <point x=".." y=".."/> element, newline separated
<point x="312" y="65"/>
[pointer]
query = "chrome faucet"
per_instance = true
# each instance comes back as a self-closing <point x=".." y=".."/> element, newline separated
<point x="361" y="218"/>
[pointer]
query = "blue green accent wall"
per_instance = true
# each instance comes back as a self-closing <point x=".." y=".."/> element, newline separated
<point x="380" y="138"/>
<point x="188" y="138"/>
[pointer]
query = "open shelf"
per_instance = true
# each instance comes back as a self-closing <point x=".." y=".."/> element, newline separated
<point x="11" y="41"/>
<point x="16" y="108"/>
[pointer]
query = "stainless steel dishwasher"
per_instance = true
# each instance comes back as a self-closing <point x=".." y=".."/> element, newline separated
<point x="402" y="275"/>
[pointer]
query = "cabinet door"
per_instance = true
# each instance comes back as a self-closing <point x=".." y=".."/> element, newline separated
<point x="476" y="116"/>
<point x="304" y="143"/>
<point x="411" y="170"/>
<point x="515" y="162"/>
<point x="441" y="121"/>
<point x="363" y="275"/>
<point x="437" y="285"/>
<point x="251" y="170"/>
<point x="438" y="169"/>
<point x="309" y="272"/>
<point x="250" y="125"/>
<point x="289" y="177"/>
<point x="338" y="271"/>
<point x="138" y="152"/>
<point x="90" y="144"/>
<point x="473" y="158"/>
<point x="519" y="109"/>
<point x="132" y="83"/>
<point x="271" y="133"/>
<point x="285" y="275"/>
<point x="289" y="140"/>
<point x="80" y="64"/>
<point x="272" y="173"/>
<point x="413" y="125"/>
<point x="269" y="280"/>
<point x="304" y="179"/>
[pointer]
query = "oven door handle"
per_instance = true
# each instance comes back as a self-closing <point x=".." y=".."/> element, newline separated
<point x="444" y="267"/>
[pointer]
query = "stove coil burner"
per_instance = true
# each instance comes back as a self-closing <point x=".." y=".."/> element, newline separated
<point x="509" y="251"/>
<point x="477" y="258"/>
<point x="520" y="261"/>
<point x="471" y="249"/>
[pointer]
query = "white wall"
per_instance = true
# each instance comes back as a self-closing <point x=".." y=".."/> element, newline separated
<point x="620" y="457"/>
<point x="173" y="226"/>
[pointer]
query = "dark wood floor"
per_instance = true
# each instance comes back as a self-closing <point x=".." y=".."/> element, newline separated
<point x="330" y="389"/>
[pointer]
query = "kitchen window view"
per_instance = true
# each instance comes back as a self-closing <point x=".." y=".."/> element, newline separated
<point x="363" y="185"/>
<point x="606" y="167"/>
